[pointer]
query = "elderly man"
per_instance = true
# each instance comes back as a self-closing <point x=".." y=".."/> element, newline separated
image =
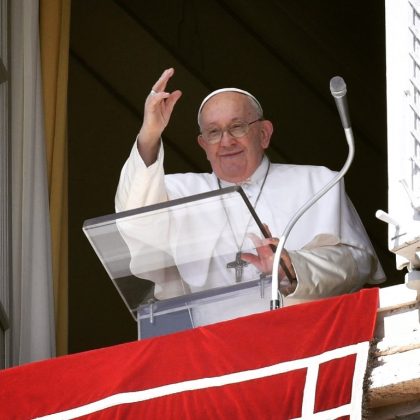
<point x="328" y="253"/>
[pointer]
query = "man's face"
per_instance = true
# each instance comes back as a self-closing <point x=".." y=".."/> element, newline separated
<point x="234" y="159"/>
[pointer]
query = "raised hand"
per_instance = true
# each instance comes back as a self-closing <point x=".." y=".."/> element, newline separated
<point x="157" y="113"/>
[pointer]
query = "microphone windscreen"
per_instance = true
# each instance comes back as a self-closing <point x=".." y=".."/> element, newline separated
<point x="338" y="87"/>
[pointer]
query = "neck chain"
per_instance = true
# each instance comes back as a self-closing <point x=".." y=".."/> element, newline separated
<point x="238" y="264"/>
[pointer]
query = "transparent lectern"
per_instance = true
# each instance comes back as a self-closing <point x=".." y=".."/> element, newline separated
<point x="177" y="264"/>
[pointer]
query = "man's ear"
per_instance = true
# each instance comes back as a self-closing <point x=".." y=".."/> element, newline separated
<point x="202" y="142"/>
<point x="267" y="131"/>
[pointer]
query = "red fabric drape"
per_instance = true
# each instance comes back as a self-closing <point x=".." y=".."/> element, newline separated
<point x="245" y="345"/>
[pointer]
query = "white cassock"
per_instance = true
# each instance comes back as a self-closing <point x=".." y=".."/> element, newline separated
<point x="329" y="248"/>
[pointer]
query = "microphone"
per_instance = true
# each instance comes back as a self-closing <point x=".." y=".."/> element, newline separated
<point x="338" y="91"/>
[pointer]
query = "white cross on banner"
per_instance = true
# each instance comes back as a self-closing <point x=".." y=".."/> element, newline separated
<point x="301" y="362"/>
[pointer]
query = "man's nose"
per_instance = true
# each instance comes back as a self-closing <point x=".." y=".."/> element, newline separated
<point x="227" y="139"/>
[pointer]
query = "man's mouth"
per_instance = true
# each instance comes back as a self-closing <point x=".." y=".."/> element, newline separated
<point x="232" y="154"/>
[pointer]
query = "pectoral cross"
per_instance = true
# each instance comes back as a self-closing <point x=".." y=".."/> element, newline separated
<point x="238" y="265"/>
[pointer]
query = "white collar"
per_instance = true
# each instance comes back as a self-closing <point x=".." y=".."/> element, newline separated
<point x="256" y="178"/>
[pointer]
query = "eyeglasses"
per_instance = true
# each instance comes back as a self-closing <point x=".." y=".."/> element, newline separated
<point x="237" y="129"/>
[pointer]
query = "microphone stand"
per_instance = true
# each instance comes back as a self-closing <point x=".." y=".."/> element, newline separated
<point x="339" y="96"/>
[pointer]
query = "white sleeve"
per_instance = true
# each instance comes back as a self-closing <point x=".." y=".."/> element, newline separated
<point x="331" y="270"/>
<point x="140" y="185"/>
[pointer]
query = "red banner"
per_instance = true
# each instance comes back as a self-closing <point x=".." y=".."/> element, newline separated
<point x="304" y="361"/>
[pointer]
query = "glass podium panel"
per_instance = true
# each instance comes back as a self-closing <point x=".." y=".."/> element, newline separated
<point x="177" y="264"/>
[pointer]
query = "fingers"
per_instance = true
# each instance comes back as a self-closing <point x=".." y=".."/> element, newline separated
<point x="160" y="85"/>
<point x="159" y="106"/>
<point x="157" y="113"/>
<point x="258" y="242"/>
<point x="265" y="256"/>
<point x="251" y="258"/>
<point x="172" y="100"/>
<point x="155" y="98"/>
<point x="158" y="94"/>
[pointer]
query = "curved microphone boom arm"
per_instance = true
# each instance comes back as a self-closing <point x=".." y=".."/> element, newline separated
<point x="338" y="91"/>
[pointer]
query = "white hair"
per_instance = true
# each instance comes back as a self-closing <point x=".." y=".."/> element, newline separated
<point x="254" y="101"/>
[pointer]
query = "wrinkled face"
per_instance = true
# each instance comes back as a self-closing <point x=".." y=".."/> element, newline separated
<point x="234" y="159"/>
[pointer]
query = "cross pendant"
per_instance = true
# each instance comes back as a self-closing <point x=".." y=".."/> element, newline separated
<point x="238" y="265"/>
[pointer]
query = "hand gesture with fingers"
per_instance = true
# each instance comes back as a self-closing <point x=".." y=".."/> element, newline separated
<point x="264" y="261"/>
<point x="159" y="104"/>
<point x="157" y="113"/>
<point x="265" y="254"/>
